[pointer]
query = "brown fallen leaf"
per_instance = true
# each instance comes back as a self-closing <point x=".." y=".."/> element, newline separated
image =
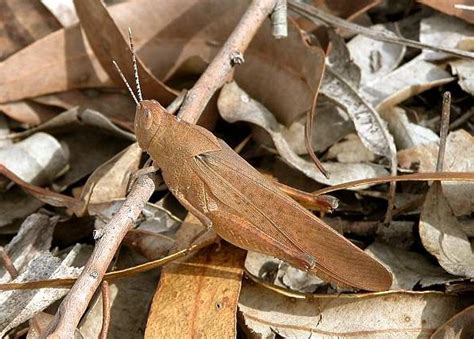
<point x="198" y="298"/>
<point x="21" y="23"/>
<point x="458" y="327"/>
<point x="384" y="315"/>
<point x="286" y="85"/>
<point x="109" y="45"/>
<point x="448" y="7"/>
<point x="350" y="150"/>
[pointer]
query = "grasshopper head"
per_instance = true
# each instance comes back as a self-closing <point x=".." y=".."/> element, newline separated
<point x="147" y="121"/>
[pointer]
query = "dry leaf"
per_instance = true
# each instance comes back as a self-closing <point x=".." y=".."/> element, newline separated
<point x="38" y="159"/>
<point x="442" y="235"/>
<point x="374" y="58"/>
<point x="40" y="322"/>
<point x="109" y="44"/>
<point x="464" y="69"/>
<point x="322" y="136"/>
<point x="23" y="22"/>
<point x="19" y="306"/>
<point x="458" y="327"/>
<point x="235" y="105"/>
<point x="408" y="268"/>
<point x="408" y="80"/>
<point x="448" y="7"/>
<point x="198" y="298"/>
<point x="27" y="112"/>
<point x="32" y="240"/>
<point x="340" y="84"/>
<point x="445" y="31"/>
<point x="390" y="315"/>
<point x="350" y="150"/>
<point x="459" y="157"/>
<point x="16" y="204"/>
<point x="406" y="133"/>
<point x="111" y="179"/>
<point x="63" y="10"/>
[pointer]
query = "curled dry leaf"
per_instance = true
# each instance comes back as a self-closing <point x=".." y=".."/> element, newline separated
<point x="16" y="204"/>
<point x="32" y="240"/>
<point x="235" y="105"/>
<point x="387" y="315"/>
<point x="38" y="159"/>
<point x="109" y="45"/>
<point x="340" y="84"/>
<point x="19" y="306"/>
<point x="442" y="235"/>
<point x="198" y="298"/>
<point x="464" y="70"/>
<point x="408" y="268"/>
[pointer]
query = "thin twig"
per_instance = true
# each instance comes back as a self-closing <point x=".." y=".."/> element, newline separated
<point x="7" y="263"/>
<point x="75" y="304"/>
<point x="280" y="20"/>
<point x="319" y="16"/>
<point x="231" y="53"/>
<point x="105" y="290"/>
<point x="443" y="133"/>
<point x="462" y="119"/>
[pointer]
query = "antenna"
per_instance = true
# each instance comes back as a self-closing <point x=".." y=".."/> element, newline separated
<point x="135" y="66"/>
<point x="125" y="81"/>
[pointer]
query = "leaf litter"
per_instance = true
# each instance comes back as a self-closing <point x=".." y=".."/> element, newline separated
<point x="68" y="153"/>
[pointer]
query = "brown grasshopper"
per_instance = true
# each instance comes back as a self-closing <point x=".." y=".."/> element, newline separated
<point x="243" y="207"/>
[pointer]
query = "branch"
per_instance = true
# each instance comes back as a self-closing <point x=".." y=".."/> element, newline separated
<point x="231" y="54"/>
<point x="75" y="304"/>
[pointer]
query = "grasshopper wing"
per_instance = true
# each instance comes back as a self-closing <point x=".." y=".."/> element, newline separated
<point x="295" y="234"/>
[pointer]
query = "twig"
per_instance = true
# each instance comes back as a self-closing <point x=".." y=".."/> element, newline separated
<point x="315" y="14"/>
<point x="75" y="304"/>
<point x="280" y="20"/>
<point x="443" y="133"/>
<point x="231" y="53"/>
<point x="7" y="263"/>
<point x="462" y="119"/>
<point x="105" y="290"/>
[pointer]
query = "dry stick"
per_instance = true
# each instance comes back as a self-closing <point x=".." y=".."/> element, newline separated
<point x="105" y="290"/>
<point x="7" y="263"/>
<point x="75" y="304"/>
<point x="315" y="14"/>
<point x="443" y="133"/>
<point x="462" y="120"/>
<point x="231" y="53"/>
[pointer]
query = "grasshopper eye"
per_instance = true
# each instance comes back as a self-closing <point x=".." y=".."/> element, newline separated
<point x="147" y="118"/>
